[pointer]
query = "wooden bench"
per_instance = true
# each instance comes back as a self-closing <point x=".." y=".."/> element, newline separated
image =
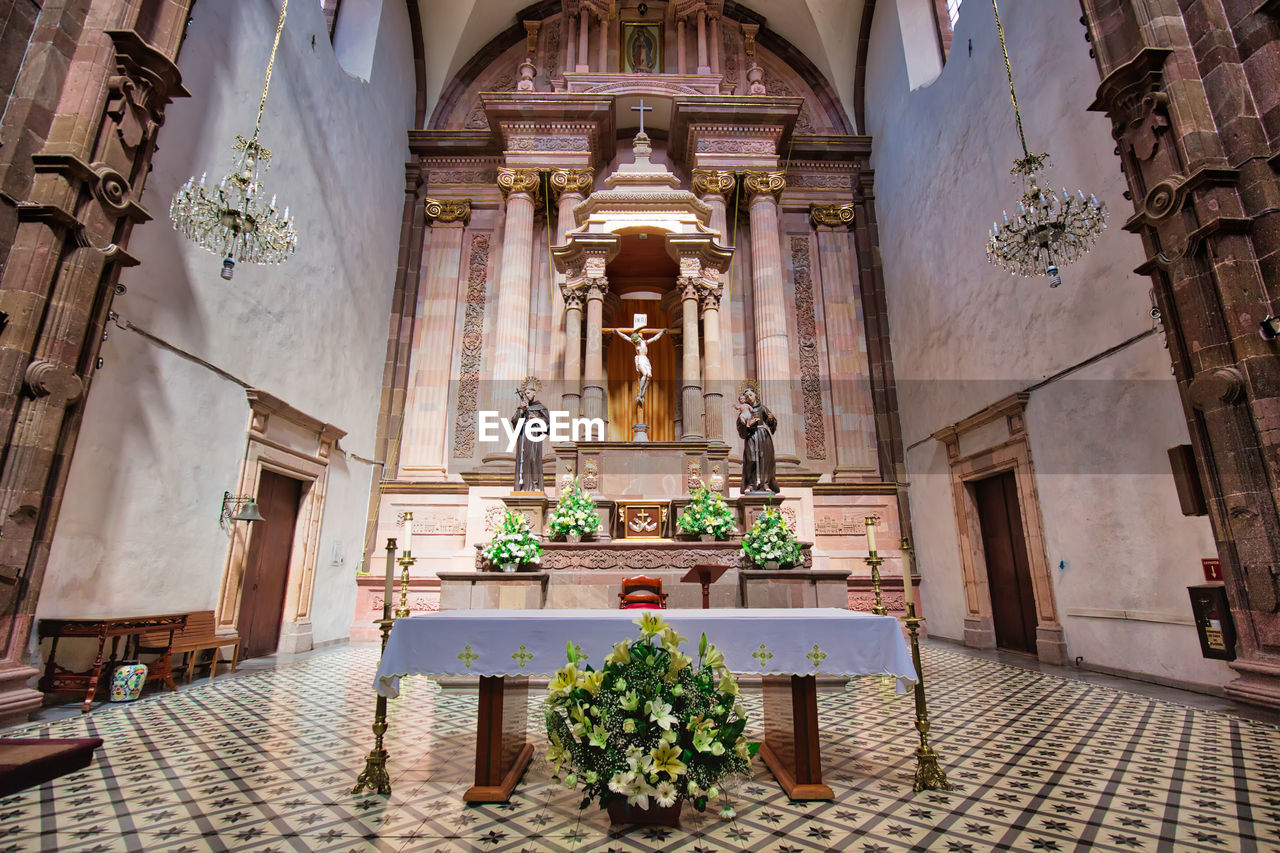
<point x="198" y="636"/>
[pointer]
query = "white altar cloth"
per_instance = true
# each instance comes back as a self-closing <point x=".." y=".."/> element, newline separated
<point x="784" y="641"/>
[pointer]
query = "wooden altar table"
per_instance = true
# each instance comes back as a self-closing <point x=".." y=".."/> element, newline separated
<point x="57" y="678"/>
<point x="787" y="648"/>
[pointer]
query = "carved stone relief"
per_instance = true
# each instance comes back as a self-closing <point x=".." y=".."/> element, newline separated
<point x="810" y="375"/>
<point x="464" y="436"/>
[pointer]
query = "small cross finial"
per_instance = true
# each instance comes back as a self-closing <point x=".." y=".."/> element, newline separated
<point x="642" y="109"/>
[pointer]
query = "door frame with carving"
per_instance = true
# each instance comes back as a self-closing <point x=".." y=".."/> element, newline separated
<point x="274" y="445"/>
<point x="1012" y="453"/>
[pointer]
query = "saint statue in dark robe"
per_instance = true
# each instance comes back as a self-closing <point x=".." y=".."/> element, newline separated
<point x="528" y="475"/>
<point x="756" y="426"/>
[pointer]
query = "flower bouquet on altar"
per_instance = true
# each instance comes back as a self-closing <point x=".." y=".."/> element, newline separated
<point x="513" y="543"/>
<point x="707" y="515"/>
<point x="650" y="729"/>
<point x="770" y="543"/>
<point x="575" y="513"/>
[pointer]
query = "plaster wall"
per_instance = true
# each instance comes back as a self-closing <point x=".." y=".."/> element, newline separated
<point x="965" y="334"/>
<point x="166" y="421"/>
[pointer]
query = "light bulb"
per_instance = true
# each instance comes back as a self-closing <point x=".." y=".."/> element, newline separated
<point x="228" y="267"/>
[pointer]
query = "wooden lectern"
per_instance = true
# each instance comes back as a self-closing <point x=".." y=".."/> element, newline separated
<point x="705" y="574"/>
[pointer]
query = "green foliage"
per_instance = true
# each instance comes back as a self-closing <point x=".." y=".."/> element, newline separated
<point x="706" y="513"/>
<point x="651" y="723"/>
<point x="513" y="541"/>
<point x="575" y="512"/>
<point x="770" y="538"/>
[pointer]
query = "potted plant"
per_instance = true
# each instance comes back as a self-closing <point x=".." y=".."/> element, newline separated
<point x="513" y="543"/>
<point x="650" y="729"/>
<point x="770" y="543"/>
<point x="574" y="515"/>
<point x="707" y="515"/>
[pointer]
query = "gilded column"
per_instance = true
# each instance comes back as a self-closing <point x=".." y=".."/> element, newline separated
<point x="511" y="328"/>
<point x="593" y="370"/>
<point x="715" y="187"/>
<point x="426" y="417"/>
<point x="851" y="406"/>
<point x="691" y="388"/>
<point x="713" y="366"/>
<point x="773" y="350"/>
<point x="570" y="186"/>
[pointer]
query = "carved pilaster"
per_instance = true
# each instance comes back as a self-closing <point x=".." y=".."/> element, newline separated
<point x="831" y="215"/>
<point x="448" y="210"/>
<point x="527" y="181"/>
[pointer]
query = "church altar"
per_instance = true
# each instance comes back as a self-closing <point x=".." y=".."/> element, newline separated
<point x="787" y="647"/>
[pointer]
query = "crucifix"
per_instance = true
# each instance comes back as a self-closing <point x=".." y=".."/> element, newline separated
<point x="642" y="109"/>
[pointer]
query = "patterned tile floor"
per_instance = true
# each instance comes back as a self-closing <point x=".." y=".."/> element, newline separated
<point x="264" y="761"/>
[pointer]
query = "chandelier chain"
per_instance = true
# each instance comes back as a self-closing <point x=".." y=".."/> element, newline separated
<point x="271" y="62"/>
<point x="1008" y="70"/>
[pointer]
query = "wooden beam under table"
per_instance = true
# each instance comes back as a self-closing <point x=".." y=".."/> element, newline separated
<point x="502" y="751"/>
<point x="791" y="749"/>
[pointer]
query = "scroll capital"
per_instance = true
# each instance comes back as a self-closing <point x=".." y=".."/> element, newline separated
<point x="713" y="182"/>
<point x="831" y="215"/>
<point x="448" y="210"/>
<point x="761" y="183"/>
<point x="525" y="181"/>
<point x="579" y="181"/>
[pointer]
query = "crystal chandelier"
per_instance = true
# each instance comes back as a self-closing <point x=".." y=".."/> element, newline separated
<point x="233" y="219"/>
<point x="1049" y="230"/>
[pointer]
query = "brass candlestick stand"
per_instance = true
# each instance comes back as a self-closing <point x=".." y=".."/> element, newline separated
<point x="375" y="776"/>
<point x="929" y="775"/>
<point x="875" y="562"/>
<point x="402" y="612"/>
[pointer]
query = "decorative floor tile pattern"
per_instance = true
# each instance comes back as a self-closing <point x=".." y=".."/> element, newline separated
<point x="265" y="762"/>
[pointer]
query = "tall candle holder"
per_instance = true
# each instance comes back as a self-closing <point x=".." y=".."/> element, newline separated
<point x="405" y="561"/>
<point x="875" y="561"/>
<point x="375" y="777"/>
<point x="929" y="775"/>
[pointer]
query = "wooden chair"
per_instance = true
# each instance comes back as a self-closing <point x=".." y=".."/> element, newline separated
<point x="642" y="592"/>
<point x="199" y="636"/>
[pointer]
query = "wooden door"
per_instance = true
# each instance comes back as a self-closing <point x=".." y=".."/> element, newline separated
<point x="1013" y="604"/>
<point x="267" y="568"/>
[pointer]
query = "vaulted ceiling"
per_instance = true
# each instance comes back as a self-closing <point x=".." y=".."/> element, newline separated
<point x="825" y="31"/>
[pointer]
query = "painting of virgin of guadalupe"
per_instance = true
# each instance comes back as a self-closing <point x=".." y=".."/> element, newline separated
<point x="642" y="48"/>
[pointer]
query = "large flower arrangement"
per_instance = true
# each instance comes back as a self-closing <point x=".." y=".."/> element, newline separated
<point x="574" y="513"/>
<point x="513" y="541"/>
<point x="707" y="513"/>
<point x="771" y="539"/>
<point x="651" y="724"/>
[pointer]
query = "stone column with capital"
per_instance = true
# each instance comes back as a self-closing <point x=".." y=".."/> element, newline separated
<point x="773" y="349"/>
<point x="851" y="404"/>
<point x="426" y="417"/>
<point x="691" y="387"/>
<point x="715" y="187"/>
<point x="680" y="48"/>
<point x="570" y="187"/>
<point x="511" y="328"/>
<point x="571" y="397"/>
<point x="713" y="366"/>
<point x="593" y="370"/>
<point x="604" y="44"/>
<point x="704" y="67"/>
<point x="583" y="26"/>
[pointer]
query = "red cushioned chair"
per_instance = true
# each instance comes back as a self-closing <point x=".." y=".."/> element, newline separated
<point x="642" y="592"/>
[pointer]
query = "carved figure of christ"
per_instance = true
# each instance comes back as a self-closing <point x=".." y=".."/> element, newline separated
<point x="643" y="366"/>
